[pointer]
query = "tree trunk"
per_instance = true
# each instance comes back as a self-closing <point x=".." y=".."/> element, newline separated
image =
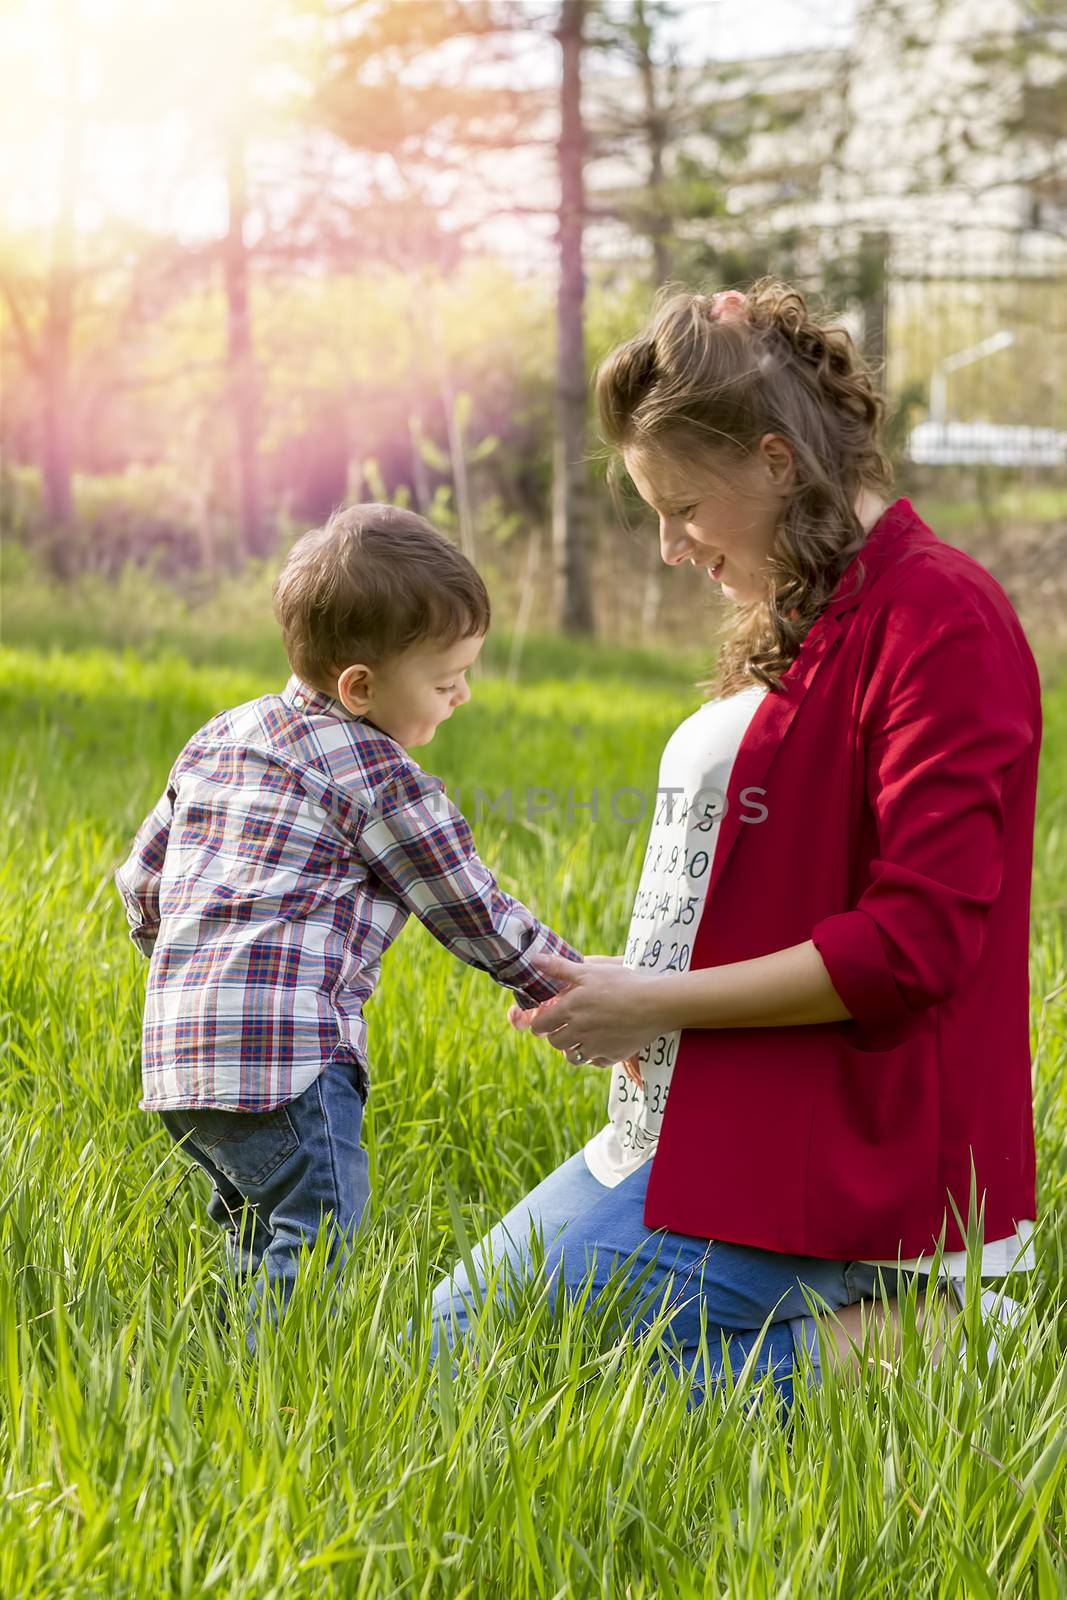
<point x="571" y="511"/>
<point x="243" y="378"/>
<point x="874" y="289"/>
<point x="527" y="596"/>
<point x="57" y="465"/>
<point x="655" y="128"/>
<point x="420" y="478"/>
<point x="57" y="430"/>
<point x="451" y="407"/>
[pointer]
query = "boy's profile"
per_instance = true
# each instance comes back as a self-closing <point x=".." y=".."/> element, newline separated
<point x="293" y="840"/>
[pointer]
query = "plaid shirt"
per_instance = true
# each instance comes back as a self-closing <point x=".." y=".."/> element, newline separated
<point x="290" y="846"/>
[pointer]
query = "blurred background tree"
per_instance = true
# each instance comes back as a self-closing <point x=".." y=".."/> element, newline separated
<point x="260" y="260"/>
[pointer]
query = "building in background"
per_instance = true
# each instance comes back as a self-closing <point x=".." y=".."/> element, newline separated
<point x="917" y="173"/>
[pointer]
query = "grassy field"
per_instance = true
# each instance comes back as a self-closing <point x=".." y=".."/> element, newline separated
<point x="142" y="1455"/>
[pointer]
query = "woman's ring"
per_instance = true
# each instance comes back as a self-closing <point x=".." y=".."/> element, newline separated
<point x="576" y="1057"/>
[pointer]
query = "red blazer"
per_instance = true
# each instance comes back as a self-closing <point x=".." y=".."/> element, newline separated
<point x="898" y="772"/>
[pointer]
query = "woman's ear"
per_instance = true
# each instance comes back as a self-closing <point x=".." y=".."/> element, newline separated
<point x="779" y="461"/>
<point x="354" y="689"/>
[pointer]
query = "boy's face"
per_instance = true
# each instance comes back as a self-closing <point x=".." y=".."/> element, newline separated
<point x="410" y="695"/>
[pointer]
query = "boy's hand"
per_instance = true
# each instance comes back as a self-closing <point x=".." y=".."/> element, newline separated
<point x="521" y="1019"/>
<point x="606" y="1001"/>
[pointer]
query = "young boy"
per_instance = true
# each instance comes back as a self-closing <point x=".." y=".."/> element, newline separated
<point x="294" y="838"/>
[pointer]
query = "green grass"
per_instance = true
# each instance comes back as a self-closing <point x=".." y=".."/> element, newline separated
<point x="142" y="1456"/>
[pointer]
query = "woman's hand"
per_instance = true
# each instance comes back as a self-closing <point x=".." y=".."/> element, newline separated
<point x="607" y="1013"/>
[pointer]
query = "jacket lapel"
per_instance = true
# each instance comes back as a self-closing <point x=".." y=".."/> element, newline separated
<point x="776" y="711"/>
<point x="764" y="734"/>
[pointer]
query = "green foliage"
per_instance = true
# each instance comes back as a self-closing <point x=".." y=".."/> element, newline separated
<point x="148" y="516"/>
<point x="146" y="1453"/>
<point x="21" y="504"/>
<point x="695" y="191"/>
<point x="364" y="356"/>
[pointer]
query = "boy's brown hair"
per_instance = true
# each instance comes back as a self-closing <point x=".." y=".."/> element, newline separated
<point x="370" y="584"/>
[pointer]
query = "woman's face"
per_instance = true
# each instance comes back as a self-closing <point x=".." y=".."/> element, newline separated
<point x="724" y="521"/>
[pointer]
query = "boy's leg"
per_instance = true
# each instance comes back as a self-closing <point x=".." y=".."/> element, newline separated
<point x="247" y="1236"/>
<point x="244" y="1231"/>
<point x="328" y="1173"/>
<point x="293" y="1165"/>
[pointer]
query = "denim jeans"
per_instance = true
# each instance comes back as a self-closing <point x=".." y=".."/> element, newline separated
<point x="293" y="1166"/>
<point x="711" y="1286"/>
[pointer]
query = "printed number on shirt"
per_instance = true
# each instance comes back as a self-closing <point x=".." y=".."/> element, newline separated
<point x="668" y="863"/>
<point x="665" y="811"/>
<point x="651" y="906"/>
<point x="658" y="1100"/>
<point x="677" y="961"/>
<point x="709" y="812"/>
<point x="712" y="814"/>
<point x="633" y="1138"/>
<point x="660" y="862"/>
<point x="651" y="903"/>
<point x="660" y="1053"/>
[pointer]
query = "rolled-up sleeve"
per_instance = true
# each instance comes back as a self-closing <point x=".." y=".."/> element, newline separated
<point x="417" y="842"/>
<point x="950" y="718"/>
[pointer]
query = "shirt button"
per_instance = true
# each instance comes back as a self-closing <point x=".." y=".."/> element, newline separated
<point x="299" y="701"/>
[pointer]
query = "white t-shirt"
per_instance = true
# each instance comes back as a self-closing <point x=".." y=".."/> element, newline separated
<point x="694" y="776"/>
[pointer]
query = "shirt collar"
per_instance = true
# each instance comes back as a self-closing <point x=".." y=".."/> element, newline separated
<point x="311" y="701"/>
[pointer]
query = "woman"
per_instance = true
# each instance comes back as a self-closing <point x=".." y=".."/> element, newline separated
<point x="826" y="981"/>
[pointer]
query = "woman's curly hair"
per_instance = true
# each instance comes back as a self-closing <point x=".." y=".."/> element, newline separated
<point x="701" y="389"/>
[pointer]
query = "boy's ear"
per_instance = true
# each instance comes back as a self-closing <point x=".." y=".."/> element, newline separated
<point x="354" y="687"/>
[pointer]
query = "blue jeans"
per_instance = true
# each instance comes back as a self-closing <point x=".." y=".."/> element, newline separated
<point x="711" y="1286"/>
<point x="277" y="1175"/>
